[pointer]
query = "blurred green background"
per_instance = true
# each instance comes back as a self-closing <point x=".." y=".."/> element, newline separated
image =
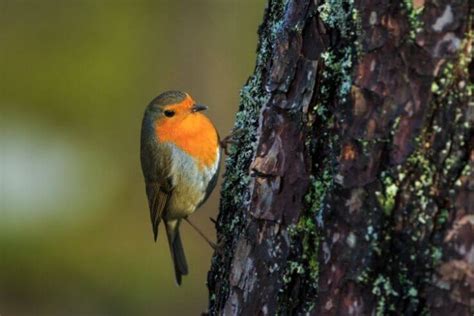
<point x="75" y="77"/>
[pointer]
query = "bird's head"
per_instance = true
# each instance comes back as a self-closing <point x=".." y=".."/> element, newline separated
<point x="172" y="107"/>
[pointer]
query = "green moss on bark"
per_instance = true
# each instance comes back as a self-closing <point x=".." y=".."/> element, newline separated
<point x="235" y="189"/>
<point x="414" y="17"/>
<point x="300" y="279"/>
<point x="425" y="173"/>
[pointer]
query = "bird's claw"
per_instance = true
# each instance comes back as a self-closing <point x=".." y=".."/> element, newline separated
<point x="230" y="139"/>
<point x="219" y="247"/>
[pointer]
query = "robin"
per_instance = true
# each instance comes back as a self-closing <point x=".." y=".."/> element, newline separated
<point x="180" y="154"/>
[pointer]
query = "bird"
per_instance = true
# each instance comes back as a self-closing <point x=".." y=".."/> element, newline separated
<point x="180" y="155"/>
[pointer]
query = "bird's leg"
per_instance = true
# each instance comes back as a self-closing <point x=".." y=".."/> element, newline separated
<point x="213" y="245"/>
<point x="230" y="139"/>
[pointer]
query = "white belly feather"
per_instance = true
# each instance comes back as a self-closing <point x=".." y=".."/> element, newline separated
<point x="190" y="184"/>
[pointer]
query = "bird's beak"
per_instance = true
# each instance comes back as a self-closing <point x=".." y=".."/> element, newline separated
<point x="198" y="107"/>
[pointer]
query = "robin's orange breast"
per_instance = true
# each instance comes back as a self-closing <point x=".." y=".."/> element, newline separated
<point x="195" y="135"/>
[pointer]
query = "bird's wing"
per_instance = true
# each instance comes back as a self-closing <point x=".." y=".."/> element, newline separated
<point x="212" y="183"/>
<point x="157" y="199"/>
<point x="156" y="164"/>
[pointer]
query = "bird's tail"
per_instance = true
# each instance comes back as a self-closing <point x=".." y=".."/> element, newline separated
<point x="176" y="248"/>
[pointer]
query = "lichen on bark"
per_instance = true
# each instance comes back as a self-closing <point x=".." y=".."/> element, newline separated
<point x="235" y="189"/>
<point x="349" y="189"/>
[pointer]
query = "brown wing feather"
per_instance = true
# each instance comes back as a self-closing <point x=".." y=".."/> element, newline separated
<point x="157" y="199"/>
<point x="155" y="165"/>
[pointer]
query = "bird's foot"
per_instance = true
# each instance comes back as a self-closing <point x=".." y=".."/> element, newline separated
<point x="219" y="247"/>
<point x="230" y="140"/>
<point x="211" y="243"/>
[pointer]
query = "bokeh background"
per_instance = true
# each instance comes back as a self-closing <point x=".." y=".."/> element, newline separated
<point x="75" y="77"/>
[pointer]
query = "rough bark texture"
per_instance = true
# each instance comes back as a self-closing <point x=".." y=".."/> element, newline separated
<point x="349" y="190"/>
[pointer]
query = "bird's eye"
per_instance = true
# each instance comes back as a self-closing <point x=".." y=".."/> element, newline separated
<point x="169" y="113"/>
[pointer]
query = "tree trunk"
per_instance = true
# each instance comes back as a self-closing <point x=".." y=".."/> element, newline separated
<point x="349" y="188"/>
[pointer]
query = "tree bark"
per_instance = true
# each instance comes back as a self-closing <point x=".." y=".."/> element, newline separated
<point x="349" y="188"/>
